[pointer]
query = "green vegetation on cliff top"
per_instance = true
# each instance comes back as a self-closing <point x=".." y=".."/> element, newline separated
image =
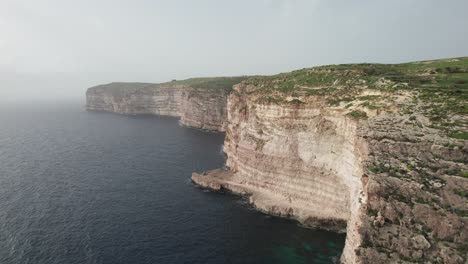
<point x="123" y="88"/>
<point x="225" y="83"/>
<point x="434" y="76"/>
<point x="440" y="86"/>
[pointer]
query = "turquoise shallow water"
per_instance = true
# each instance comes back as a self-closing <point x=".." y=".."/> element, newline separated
<point x="86" y="187"/>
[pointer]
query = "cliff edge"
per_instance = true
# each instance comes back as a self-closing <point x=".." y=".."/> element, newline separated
<point x="380" y="150"/>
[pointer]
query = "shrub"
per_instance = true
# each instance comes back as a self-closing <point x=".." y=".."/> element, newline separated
<point x="357" y="114"/>
<point x="296" y="101"/>
<point x="465" y="174"/>
<point x="453" y="69"/>
<point x="459" y="135"/>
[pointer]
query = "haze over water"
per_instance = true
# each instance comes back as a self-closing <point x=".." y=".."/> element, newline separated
<point x="87" y="187"/>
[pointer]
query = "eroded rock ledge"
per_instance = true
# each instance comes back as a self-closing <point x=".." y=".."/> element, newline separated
<point x="264" y="200"/>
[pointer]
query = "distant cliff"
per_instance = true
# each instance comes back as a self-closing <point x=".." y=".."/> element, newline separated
<point x="199" y="102"/>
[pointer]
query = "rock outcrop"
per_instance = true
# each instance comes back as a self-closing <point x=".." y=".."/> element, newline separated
<point x="303" y="161"/>
<point x="136" y="98"/>
<point x="417" y="207"/>
<point x="204" y="108"/>
<point x="200" y="102"/>
<point x="368" y="147"/>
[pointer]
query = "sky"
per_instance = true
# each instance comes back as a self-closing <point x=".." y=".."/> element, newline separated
<point x="53" y="48"/>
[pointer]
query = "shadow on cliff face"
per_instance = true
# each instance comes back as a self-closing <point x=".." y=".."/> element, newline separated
<point x="289" y="242"/>
<point x="327" y="224"/>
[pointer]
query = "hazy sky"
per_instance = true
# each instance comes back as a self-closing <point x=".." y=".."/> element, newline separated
<point x="65" y="46"/>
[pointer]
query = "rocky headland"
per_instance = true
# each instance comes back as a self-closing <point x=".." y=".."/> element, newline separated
<point x="198" y="102"/>
<point x="378" y="151"/>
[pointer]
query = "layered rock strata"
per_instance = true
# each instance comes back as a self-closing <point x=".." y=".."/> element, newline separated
<point x="136" y="98"/>
<point x="303" y="161"/>
<point x="200" y="103"/>
<point x="387" y="163"/>
<point x="204" y="108"/>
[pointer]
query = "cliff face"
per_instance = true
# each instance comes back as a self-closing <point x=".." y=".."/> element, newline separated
<point x="204" y="108"/>
<point x="200" y="103"/>
<point x="305" y="155"/>
<point x="379" y="149"/>
<point x="129" y="98"/>
<point x="296" y="160"/>
<point x="301" y="161"/>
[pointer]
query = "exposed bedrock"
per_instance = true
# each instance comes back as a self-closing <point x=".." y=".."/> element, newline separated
<point x="416" y="211"/>
<point x="391" y="179"/>
<point x="204" y="108"/>
<point x="300" y="161"/>
<point x="196" y="107"/>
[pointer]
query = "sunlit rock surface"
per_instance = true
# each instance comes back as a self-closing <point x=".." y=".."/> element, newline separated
<point x="380" y="148"/>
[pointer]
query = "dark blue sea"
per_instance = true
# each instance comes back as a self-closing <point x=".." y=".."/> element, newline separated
<point x="89" y="187"/>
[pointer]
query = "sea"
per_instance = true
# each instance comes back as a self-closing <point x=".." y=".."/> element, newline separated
<point x="93" y="187"/>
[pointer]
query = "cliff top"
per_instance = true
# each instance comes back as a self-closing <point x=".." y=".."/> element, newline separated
<point x="225" y="83"/>
<point x="123" y="88"/>
<point x="436" y="89"/>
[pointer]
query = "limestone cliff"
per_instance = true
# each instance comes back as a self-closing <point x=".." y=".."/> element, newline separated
<point x="136" y="98"/>
<point x="199" y="102"/>
<point x="378" y="149"/>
